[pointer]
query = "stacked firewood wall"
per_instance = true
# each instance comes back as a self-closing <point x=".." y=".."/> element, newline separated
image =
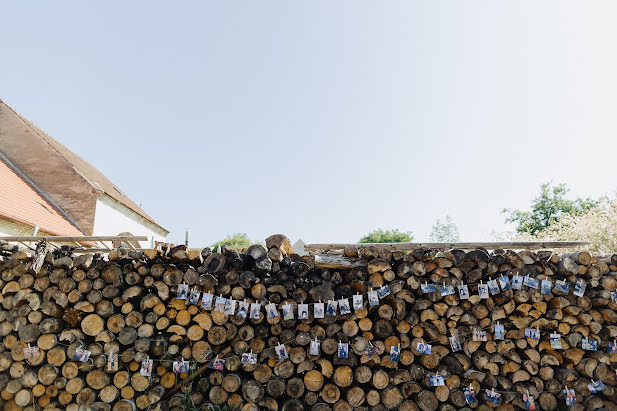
<point x="125" y="303"/>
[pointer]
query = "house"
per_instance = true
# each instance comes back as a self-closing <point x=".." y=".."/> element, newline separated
<point x="44" y="184"/>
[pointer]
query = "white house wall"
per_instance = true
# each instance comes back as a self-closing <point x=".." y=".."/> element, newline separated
<point x="112" y="218"/>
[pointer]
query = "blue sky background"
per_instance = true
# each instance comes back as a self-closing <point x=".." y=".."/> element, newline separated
<point x="323" y="120"/>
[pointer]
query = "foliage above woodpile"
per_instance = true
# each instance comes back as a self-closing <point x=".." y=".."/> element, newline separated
<point x="387" y="236"/>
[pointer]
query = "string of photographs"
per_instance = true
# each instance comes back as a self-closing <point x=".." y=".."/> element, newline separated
<point x="208" y="301"/>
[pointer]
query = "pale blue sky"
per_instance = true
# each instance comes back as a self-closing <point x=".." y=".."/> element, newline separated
<point x="323" y="120"/>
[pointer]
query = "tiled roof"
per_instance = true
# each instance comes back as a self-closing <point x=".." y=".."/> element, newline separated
<point x="20" y="202"/>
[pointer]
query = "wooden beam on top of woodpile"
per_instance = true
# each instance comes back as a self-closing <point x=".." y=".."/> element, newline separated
<point x="528" y="245"/>
<point x="63" y="239"/>
<point x="337" y="261"/>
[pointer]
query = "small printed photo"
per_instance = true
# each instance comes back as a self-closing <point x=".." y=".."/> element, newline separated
<point x="504" y="283"/>
<point x="446" y="290"/>
<point x="533" y="333"/>
<point x="318" y="310"/>
<point x="562" y="287"/>
<point x="455" y="343"/>
<point x="579" y="289"/>
<point x="288" y="312"/>
<point x="596" y="386"/>
<point x="343" y="350"/>
<point x="427" y="288"/>
<point x="303" y="311"/>
<point x="395" y="353"/>
<point x="493" y="287"/>
<point x="343" y="306"/>
<point x="371" y="350"/>
<point x="479" y="335"/>
<point x="194" y="297"/>
<point x="81" y="355"/>
<point x="31" y="352"/>
<point x="146" y="368"/>
<point x="436" y="380"/>
<point x="358" y="302"/>
<point x="219" y="305"/>
<point x="500" y="332"/>
<point x="517" y="282"/>
<point x="530" y="404"/>
<point x="531" y="282"/>
<point x="249" y="358"/>
<point x="217" y="364"/>
<point x="331" y="307"/>
<point x="422" y="348"/>
<point x="243" y="309"/>
<point x="555" y="341"/>
<point x="271" y="311"/>
<point x="470" y="395"/>
<point x="612" y="348"/>
<point x="255" y="310"/>
<point x="373" y="298"/>
<point x="206" y="301"/>
<point x="570" y="395"/>
<point x="492" y="396"/>
<point x="384" y="291"/>
<point x="180" y="366"/>
<point x="314" y="348"/>
<point x="614" y="297"/>
<point x="230" y="306"/>
<point x="589" y="345"/>
<point x="281" y="352"/>
<point x="112" y="362"/>
<point x="546" y="289"/>
<point x="463" y="292"/>
<point x="183" y="291"/>
<point x="483" y="291"/>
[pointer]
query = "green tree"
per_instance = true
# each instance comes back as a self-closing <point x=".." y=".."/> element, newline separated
<point x="236" y="242"/>
<point x="387" y="236"/>
<point x="547" y="208"/>
<point x="446" y="232"/>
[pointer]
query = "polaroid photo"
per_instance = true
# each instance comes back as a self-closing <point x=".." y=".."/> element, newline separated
<point x="589" y="345"/>
<point x="455" y="343"/>
<point x="562" y="287"/>
<point x="243" y="309"/>
<point x="219" y="305"/>
<point x="194" y="296"/>
<point x="217" y="364"/>
<point x="358" y="302"/>
<point x="183" y="291"/>
<point x="31" y="352"/>
<point x="579" y="288"/>
<point x="371" y="350"/>
<point x="483" y="291"/>
<point x="112" y="362"/>
<point x="288" y="312"/>
<point x="596" y="386"/>
<point x="230" y="306"/>
<point x="463" y="292"/>
<point x="255" y="310"/>
<point x="318" y="310"/>
<point x="423" y="348"/>
<point x="427" y="288"/>
<point x="530" y="404"/>
<point x="532" y="333"/>
<point x="470" y="395"/>
<point x="555" y="341"/>
<point x="343" y="350"/>
<point x="343" y="306"/>
<point x="271" y="311"/>
<point x="180" y="366"/>
<point x="395" y="353"/>
<point x="436" y="380"/>
<point x="303" y="311"/>
<point x="81" y="355"/>
<point x="531" y="282"/>
<point x="206" y="301"/>
<point x="249" y="358"/>
<point x="373" y="298"/>
<point x="493" y="287"/>
<point x="500" y="331"/>
<point x="331" y="307"/>
<point x="146" y="368"/>
<point x="479" y="335"/>
<point x="546" y="287"/>
<point x="281" y="352"/>
<point x="517" y="282"/>
<point x="384" y="291"/>
<point x="315" y="346"/>
<point x="446" y="290"/>
<point x="492" y="396"/>
<point x="570" y="395"/>
<point x="504" y="283"/>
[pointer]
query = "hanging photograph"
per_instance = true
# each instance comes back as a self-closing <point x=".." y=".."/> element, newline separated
<point x="384" y="291"/>
<point x="395" y="353"/>
<point x="570" y="395"/>
<point x="436" y="380"/>
<point x="504" y="283"/>
<point x="343" y="350"/>
<point x="373" y="298"/>
<point x="112" y="362"/>
<point x="479" y="335"/>
<point x="255" y="309"/>
<point x="546" y="288"/>
<point x="614" y="297"/>
<point x="303" y="311"/>
<point x="31" y="352"/>
<point x="183" y="291"/>
<point x="579" y="288"/>
<point x="562" y="287"/>
<point x="589" y="345"/>
<point x="483" y="291"/>
<point x="455" y="343"/>
<point x="180" y="366"/>
<point x="271" y="311"/>
<point x="517" y="282"/>
<point x="194" y="296"/>
<point x="470" y="395"/>
<point x="533" y="333"/>
<point x="206" y="301"/>
<point x="288" y="312"/>
<point x="358" y="302"/>
<point x="343" y="306"/>
<point x="243" y="309"/>
<point x="281" y="352"/>
<point x="446" y="290"/>
<point x="596" y="386"/>
<point x="219" y="305"/>
<point x="500" y="332"/>
<point x="492" y="396"/>
<point x="493" y="287"/>
<point x="331" y="308"/>
<point x="530" y="404"/>
<point x="318" y="310"/>
<point x="463" y="292"/>
<point x="249" y="358"/>
<point x="230" y="306"/>
<point x="422" y="348"/>
<point x="427" y="288"/>
<point x="555" y="341"/>
<point x="531" y="282"/>
<point x="611" y="348"/>
<point x="371" y="350"/>
<point x="81" y="355"/>
<point x="217" y="364"/>
<point x="146" y="368"/>
<point x="314" y="348"/>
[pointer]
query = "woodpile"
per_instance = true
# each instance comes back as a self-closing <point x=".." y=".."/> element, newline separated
<point x="125" y="303"/>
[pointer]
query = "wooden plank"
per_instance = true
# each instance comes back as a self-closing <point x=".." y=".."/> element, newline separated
<point x="528" y="245"/>
<point x="61" y="239"/>
<point x="337" y="261"/>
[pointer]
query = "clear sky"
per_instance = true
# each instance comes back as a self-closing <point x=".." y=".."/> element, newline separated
<point x="323" y="120"/>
